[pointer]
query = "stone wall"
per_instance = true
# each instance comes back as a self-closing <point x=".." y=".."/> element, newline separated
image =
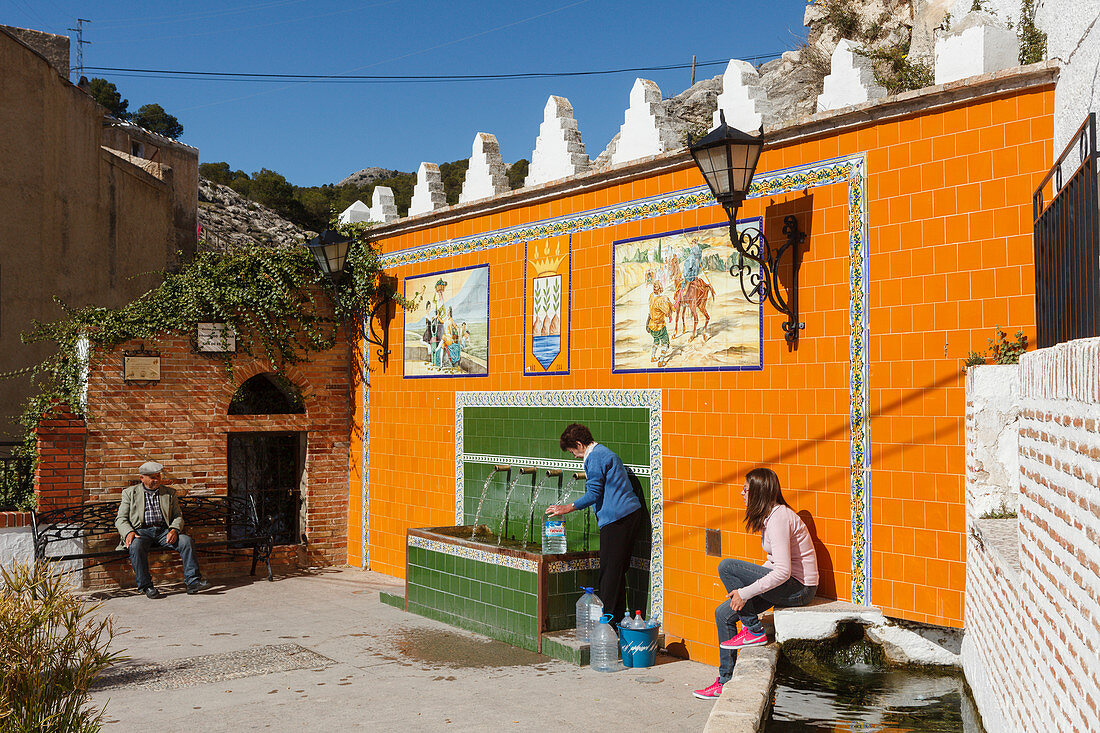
<point x="1032" y="652"/>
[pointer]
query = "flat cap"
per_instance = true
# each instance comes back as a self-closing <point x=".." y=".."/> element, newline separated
<point x="149" y="468"/>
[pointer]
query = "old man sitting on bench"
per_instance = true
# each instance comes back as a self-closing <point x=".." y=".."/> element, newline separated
<point x="149" y="516"/>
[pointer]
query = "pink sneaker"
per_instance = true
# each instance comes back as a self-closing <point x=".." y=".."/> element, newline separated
<point x="709" y="693"/>
<point x="744" y="638"/>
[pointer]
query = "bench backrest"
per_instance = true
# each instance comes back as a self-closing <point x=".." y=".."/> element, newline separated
<point x="236" y="516"/>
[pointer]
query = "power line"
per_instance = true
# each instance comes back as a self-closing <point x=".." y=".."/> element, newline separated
<point x="394" y="78"/>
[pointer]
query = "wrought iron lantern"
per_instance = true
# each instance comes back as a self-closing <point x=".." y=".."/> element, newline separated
<point x="727" y="158"/>
<point x="330" y="249"/>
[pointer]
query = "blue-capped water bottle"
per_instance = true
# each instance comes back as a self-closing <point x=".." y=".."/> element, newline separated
<point x="589" y="610"/>
<point x="553" y="536"/>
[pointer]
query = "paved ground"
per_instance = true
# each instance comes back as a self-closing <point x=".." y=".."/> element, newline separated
<point x="321" y="652"/>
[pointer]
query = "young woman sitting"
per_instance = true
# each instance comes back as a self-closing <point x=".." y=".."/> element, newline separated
<point x="788" y="577"/>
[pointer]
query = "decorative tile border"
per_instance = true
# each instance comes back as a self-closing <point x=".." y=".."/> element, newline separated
<point x="647" y="398"/>
<point x="473" y="553"/>
<point x="525" y="461"/>
<point x="590" y="563"/>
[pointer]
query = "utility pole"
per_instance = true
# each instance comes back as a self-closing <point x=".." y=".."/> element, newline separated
<point x="80" y="43"/>
<point x="693" y="70"/>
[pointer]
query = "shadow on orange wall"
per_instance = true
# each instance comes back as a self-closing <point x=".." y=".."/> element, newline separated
<point x="826" y="586"/>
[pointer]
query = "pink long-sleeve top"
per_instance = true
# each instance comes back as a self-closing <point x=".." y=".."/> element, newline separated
<point x="790" y="552"/>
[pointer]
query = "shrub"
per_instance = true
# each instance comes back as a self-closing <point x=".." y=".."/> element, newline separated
<point x="52" y="646"/>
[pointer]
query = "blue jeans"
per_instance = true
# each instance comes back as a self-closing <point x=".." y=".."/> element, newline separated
<point x="736" y="574"/>
<point x="157" y="537"/>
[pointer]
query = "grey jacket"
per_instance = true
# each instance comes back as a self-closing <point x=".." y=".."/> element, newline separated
<point x="131" y="510"/>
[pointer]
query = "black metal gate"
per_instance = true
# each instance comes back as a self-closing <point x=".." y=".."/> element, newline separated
<point x="268" y="467"/>
<point x="1067" y="244"/>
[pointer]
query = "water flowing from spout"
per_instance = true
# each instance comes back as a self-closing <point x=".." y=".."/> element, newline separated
<point x="550" y="473"/>
<point x="484" y="490"/>
<point x="508" y="498"/>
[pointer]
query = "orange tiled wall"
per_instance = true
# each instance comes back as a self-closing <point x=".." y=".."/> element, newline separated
<point x="949" y="257"/>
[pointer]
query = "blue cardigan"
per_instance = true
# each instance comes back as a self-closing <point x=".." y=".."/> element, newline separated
<point x="608" y="487"/>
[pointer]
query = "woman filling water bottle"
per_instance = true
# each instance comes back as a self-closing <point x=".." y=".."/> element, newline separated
<point x="619" y="512"/>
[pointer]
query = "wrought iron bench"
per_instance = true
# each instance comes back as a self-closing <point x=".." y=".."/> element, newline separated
<point x="232" y="523"/>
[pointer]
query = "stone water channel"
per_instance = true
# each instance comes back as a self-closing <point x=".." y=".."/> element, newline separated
<point x="845" y="684"/>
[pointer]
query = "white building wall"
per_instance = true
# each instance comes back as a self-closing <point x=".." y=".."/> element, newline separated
<point x="1032" y="652"/>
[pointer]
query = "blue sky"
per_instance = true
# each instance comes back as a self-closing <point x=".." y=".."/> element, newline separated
<point x="318" y="133"/>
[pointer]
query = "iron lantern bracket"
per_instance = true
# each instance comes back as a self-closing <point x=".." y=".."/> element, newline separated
<point x="761" y="281"/>
<point x="383" y="312"/>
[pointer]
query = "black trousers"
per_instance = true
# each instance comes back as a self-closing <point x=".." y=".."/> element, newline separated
<point x="616" y="544"/>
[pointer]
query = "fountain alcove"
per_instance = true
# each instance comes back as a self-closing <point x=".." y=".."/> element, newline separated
<point x="508" y="468"/>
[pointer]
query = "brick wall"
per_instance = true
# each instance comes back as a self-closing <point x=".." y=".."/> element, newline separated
<point x="1033" y="641"/>
<point x="15" y="537"/>
<point x="182" y="421"/>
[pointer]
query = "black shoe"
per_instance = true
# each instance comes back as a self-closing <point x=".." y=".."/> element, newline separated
<point x="151" y="592"/>
<point x="193" y="588"/>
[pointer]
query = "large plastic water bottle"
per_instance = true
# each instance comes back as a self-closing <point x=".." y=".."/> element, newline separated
<point x="604" y="646"/>
<point x="589" y="610"/>
<point x="626" y="622"/>
<point x="553" y="536"/>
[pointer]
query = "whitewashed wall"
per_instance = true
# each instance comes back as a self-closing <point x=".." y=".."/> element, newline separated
<point x="1032" y="649"/>
<point x="15" y="544"/>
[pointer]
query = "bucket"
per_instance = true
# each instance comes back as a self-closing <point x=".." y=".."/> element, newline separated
<point x="639" y="646"/>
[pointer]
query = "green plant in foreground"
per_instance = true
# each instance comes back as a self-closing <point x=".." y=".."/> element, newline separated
<point x="1033" y="42"/>
<point x="52" y="645"/>
<point x="1004" y="351"/>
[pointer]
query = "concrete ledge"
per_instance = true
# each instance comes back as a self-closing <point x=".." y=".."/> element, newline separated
<point x="820" y="619"/>
<point x="744" y="702"/>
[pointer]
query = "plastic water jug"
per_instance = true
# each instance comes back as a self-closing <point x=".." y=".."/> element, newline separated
<point x="589" y="610"/>
<point x="604" y="646"/>
<point x="553" y="536"/>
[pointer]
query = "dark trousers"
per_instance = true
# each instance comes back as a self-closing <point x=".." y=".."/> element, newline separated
<point x="158" y="536"/>
<point x="616" y="544"/>
<point x="736" y="574"/>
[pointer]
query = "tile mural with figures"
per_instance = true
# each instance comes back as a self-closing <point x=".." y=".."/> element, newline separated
<point x="676" y="306"/>
<point x="447" y="333"/>
<point x="546" y="304"/>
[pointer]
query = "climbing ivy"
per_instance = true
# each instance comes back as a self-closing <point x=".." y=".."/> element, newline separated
<point x="277" y="301"/>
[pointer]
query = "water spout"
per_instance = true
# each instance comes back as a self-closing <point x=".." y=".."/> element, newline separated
<point x="578" y="475"/>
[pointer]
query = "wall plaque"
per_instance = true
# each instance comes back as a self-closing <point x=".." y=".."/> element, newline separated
<point x="216" y="337"/>
<point x="141" y="368"/>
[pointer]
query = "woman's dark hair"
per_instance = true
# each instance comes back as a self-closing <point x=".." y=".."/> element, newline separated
<point x="574" y="434"/>
<point x="764" y="494"/>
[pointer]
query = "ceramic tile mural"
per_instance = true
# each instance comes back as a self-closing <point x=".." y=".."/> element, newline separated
<point x="678" y="308"/>
<point x="548" y="292"/>
<point x="447" y="333"/>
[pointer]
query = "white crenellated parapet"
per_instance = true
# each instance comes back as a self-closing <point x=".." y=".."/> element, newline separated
<point x="977" y="44"/>
<point x="645" y="130"/>
<point x="744" y="99"/>
<point x="851" y="79"/>
<point x="428" y="194"/>
<point x="486" y="176"/>
<point x="355" y="213"/>
<point x="559" y="152"/>
<point x="383" y="209"/>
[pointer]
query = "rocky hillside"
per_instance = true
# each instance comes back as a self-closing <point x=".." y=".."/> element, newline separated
<point x="368" y="176"/>
<point x="229" y="220"/>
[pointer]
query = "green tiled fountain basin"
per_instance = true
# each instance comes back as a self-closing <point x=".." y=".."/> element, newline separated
<point x="511" y="595"/>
